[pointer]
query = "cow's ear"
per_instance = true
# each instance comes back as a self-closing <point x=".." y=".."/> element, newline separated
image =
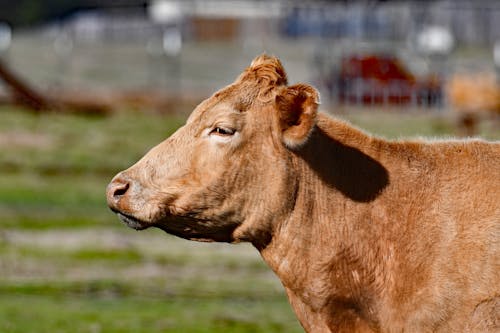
<point x="297" y="106"/>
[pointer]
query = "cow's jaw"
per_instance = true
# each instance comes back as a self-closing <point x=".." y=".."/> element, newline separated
<point x="197" y="229"/>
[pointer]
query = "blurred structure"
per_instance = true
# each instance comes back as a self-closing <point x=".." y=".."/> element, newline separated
<point x="176" y="50"/>
<point x="496" y="59"/>
<point x="379" y="79"/>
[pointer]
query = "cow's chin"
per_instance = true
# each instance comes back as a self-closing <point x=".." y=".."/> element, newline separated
<point x="132" y="222"/>
<point x="197" y="229"/>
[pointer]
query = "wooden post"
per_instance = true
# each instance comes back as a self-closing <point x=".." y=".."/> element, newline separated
<point x="23" y="93"/>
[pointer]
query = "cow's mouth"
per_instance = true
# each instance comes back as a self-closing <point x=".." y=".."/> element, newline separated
<point x="131" y="221"/>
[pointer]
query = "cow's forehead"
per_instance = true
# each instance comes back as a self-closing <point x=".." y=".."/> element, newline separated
<point x="238" y="96"/>
<point x="258" y="84"/>
<point x="213" y="104"/>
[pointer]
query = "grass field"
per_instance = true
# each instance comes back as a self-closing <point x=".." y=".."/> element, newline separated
<point x="68" y="265"/>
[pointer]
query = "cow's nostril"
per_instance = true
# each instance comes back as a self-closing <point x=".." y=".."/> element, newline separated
<point x="116" y="191"/>
<point x="120" y="189"/>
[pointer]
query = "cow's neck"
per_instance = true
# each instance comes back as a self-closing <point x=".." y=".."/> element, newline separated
<point x="326" y="252"/>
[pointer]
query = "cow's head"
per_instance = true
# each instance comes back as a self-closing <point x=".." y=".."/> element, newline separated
<point x="226" y="174"/>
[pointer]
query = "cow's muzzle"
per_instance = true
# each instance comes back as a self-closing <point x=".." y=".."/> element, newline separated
<point x="117" y="198"/>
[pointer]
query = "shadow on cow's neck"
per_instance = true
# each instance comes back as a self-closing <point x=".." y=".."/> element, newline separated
<point x="347" y="169"/>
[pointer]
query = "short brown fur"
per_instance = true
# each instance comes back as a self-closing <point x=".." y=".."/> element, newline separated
<point x="366" y="235"/>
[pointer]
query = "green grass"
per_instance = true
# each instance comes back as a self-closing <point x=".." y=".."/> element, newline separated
<point x="71" y="145"/>
<point x="67" y="313"/>
<point x="68" y="265"/>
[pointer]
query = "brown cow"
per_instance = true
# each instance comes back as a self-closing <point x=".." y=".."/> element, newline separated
<point x="366" y="235"/>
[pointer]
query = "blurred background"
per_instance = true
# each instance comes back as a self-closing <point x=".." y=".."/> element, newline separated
<point x="87" y="87"/>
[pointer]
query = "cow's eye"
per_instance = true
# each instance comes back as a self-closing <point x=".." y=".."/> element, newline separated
<point x="222" y="131"/>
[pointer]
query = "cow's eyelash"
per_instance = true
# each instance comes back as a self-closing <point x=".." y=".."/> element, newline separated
<point x="222" y="131"/>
